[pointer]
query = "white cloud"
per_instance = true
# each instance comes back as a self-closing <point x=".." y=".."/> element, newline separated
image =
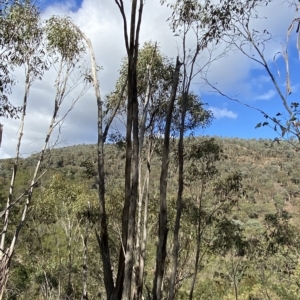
<point x="233" y="73"/>
<point x="260" y="81"/>
<point x="220" y="113"/>
<point x="102" y="23"/>
<point x="295" y="88"/>
<point x="266" y="96"/>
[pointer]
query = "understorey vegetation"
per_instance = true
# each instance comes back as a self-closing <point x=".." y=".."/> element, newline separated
<point x="239" y="234"/>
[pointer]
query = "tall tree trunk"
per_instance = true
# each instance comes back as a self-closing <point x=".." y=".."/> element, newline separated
<point x="199" y="236"/>
<point x="69" y="290"/>
<point x="124" y="276"/>
<point x="136" y="279"/>
<point x="6" y="254"/>
<point x="188" y="73"/>
<point x="15" y="167"/>
<point x="142" y="253"/>
<point x="179" y="201"/>
<point x="61" y="87"/>
<point x="133" y="117"/>
<point x="102" y="236"/>
<point x="161" y="252"/>
<point x="128" y="195"/>
<point x="84" y="295"/>
<point x="141" y="144"/>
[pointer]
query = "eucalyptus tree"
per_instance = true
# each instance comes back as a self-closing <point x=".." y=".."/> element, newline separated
<point x="55" y="44"/>
<point x="124" y="281"/>
<point x="153" y="91"/>
<point x="204" y="22"/>
<point x="32" y="56"/>
<point x="102" y="234"/>
<point x="13" y="31"/>
<point x="133" y="140"/>
<point x="154" y="77"/>
<point x="242" y="35"/>
<point x="122" y="289"/>
<point x="23" y="47"/>
<point x="187" y="21"/>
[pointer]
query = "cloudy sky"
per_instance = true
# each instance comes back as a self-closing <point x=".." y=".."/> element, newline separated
<point x="235" y="75"/>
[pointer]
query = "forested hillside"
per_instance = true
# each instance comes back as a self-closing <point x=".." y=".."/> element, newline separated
<point x="243" y="223"/>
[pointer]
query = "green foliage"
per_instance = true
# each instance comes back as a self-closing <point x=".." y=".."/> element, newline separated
<point x="89" y="171"/>
<point x="68" y="199"/>
<point x="202" y="158"/>
<point x="151" y="62"/>
<point x="52" y="242"/>
<point x="196" y="115"/>
<point x="21" y="43"/>
<point x="63" y="38"/>
<point x="248" y="232"/>
<point x="279" y="231"/>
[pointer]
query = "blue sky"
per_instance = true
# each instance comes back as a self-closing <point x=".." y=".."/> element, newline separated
<point x="73" y="5"/>
<point x="235" y="75"/>
<point x="262" y="95"/>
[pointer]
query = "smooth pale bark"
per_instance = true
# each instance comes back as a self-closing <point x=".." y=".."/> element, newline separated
<point x="141" y="144"/>
<point x="125" y="267"/>
<point x="15" y="167"/>
<point x="84" y="295"/>
<point x="102" y="236"/>
<point x="58" y="100"/>
<point x="8" y="254"/>
<point x="142" y="254"/>
<point x="61" y="86"/>
<point x="121" y="264"/>
<point x="132" y="97"/>
<point x="161" y="252"/>
<point x="138" y="277"/>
